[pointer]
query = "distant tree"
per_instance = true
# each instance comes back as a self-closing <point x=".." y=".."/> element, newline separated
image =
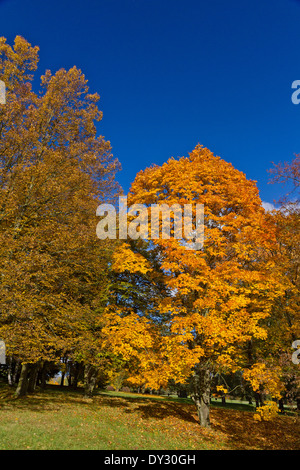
<point x="287" y="172"/>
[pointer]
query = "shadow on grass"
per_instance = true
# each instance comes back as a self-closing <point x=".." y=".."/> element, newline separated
<point x="159" y="407"/>
<point x="41" y="400"/>
<point x="244" y="433"/>
<point x="235" y="426"/>
<point x="147" y="407"/>
<point x="53" y="398"/>
<point x="163" y="406"/>
<point x="188" y="401"/>
<point x="162" y="410"/>
<point x="234" y="420"/>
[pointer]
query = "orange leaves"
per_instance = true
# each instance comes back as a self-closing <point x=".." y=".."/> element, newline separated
<point x="177" y="360"/>
<point x="221" y="389"/>
<point x="259" y="375"/>
<point x="127" y="334"/>
<point x="17" y="61"/>
<point x="267" y="412"/>
<point x="124" y="259"/>
<point x="135" y="340"/>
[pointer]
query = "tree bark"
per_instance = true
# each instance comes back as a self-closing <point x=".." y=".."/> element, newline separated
<point x="281" y="405"/>
<point x="23" y="381"/>
<point x="9" y="373"/>
<point x="13" y="371"/>
<point x="42" y="375"/>
<point x="69" y="376"/>
<point x="62" y="379"/>
<point x="33" y="373"/>
<point x="17" y="371"/>
<point x="259" y="399"/>
<point x="77" y="368"/>
<point x="90" y="377"/>
<point x="201" y="385"/>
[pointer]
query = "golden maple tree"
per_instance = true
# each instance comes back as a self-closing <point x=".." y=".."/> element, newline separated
<point x="217" y="297"/>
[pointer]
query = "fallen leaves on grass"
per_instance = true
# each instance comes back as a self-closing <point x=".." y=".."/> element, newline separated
<point x="66" y="420"/>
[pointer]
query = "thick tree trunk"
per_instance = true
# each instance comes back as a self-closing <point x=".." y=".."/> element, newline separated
<point x="201" y="393"/>
<point x="62" y="379"/>
<point x="42" y="376"/>
<point x="23" y="381"/>
<point x="90" y="377"/>
<point x="13" y="371"/>
<point x="17" y="371"/>
<point x="33" y="373"/>
<point x="77" y="368"/>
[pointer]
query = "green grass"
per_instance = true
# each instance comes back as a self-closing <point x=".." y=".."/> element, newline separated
<point x="59" y="419"/>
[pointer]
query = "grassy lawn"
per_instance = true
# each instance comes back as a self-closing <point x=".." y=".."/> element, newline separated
<point x="59" y="419"/>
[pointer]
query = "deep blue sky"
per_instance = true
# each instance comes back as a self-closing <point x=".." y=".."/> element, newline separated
<point x="174" y="73"/>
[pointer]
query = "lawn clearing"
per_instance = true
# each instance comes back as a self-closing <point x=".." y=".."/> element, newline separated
<point x="59" y="419"/>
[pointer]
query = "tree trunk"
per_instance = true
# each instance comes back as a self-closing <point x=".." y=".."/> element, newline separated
<point x="90" y="376"/>
<point x="62" y="379"/>
<point x="9" y="372"/>
<point x="76" y="371"/>
<point x="42" y="376"/>
<point x="259" y="399"/>
<point x="69" y="376"/>
<point x="201" y="393"/>
<point x="33" y="372"/>
<point x="281" y="406"/>
<point x="23" y="381"/>
<point x="16" y="372"/>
